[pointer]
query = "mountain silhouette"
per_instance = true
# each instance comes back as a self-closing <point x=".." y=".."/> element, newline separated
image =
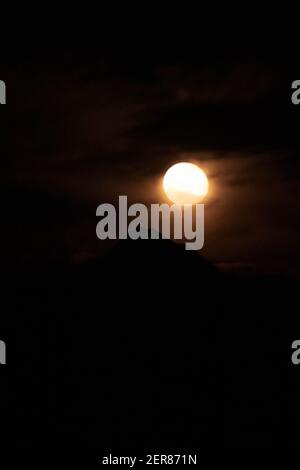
<point x="161" y="258"/>
<point x="147" y="347"/>
<point x="135" y="349"/>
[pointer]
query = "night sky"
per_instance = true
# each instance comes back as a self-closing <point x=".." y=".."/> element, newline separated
<point x="116" y="345"/>
<point x="86" y="124"/>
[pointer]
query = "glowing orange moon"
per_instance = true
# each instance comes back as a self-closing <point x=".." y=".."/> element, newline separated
<point x="185" y="183"/>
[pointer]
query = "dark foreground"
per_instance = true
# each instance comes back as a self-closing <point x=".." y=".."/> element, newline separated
<point x="148" y="348"/>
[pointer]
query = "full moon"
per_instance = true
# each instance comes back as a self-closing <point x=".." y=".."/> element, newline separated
<point x="185" y="183"/>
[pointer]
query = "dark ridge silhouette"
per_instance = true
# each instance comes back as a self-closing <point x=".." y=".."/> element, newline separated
<point x="148" y="347"/>
<point x="161" y="257"/>
<point x="150" y="250"/>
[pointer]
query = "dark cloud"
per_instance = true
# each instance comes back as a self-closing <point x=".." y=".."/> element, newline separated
<point x="83" y="126"/>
